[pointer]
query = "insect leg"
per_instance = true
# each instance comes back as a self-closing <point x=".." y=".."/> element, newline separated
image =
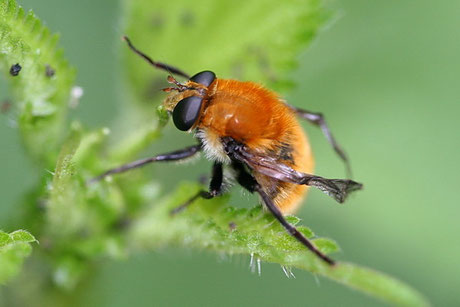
<point x="292" y="230"/>
<point x="215" y="188"/>
<point x="245" y="179"/>
<point x="159" y="65"/>
<point x="318" y="120"/>
<point x="249" y="182"/>
<point x="172" y="156"/>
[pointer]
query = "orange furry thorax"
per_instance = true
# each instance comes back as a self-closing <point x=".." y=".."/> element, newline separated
<point x="258" y="118"/>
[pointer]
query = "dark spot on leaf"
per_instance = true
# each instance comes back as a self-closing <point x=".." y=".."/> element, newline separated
<point x="232" y="226"/>
<point x="49" y="71"/>
<point x="15" y="69"/>
<point x="263" y="62"/>
<point x="157" y="21"/>
<point x="187" y="19"/>
<point x="122" y="223"/>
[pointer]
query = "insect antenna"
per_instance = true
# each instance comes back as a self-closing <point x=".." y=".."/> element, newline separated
<point x="159" y="65"/>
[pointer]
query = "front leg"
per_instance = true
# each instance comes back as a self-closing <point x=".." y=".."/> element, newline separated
<point x="172" y="156"/>
<point x="215" y="188"/>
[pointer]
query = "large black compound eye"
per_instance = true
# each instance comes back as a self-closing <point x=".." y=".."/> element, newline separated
<point x="205" y="78"/>
<point x="186" y="112"/>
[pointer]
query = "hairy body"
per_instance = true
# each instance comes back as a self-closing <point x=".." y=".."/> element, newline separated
<point x="258" y="118"/>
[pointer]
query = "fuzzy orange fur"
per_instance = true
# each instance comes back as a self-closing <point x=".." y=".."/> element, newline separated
<point x="257" y="117"/>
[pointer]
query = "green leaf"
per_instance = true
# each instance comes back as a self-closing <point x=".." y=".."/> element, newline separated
<point x="64" y="212"/>
<point x="212" y="225"/>
<point x="247" y="40"/>
<point x="5" y="239"/>
<point x="42" y="88"/>
<point x="81" y="220"/>
<point x="22" y="236"/>
<point x="14" y="248"/>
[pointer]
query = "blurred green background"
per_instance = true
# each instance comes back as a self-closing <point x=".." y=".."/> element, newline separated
<point x="385" y="73"/>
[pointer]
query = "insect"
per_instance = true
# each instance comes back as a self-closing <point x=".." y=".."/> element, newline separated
<point x="49" y="71"/>
<point x="251" y="130"/>
<point x="15" y="69"/>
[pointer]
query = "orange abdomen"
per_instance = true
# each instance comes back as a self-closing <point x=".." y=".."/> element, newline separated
<point x="257" y="117"/>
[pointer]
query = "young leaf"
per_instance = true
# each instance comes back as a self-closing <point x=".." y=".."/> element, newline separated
<point x="248" y="40"/>
<point x="209" y="224"/>
<point x="81" y="220"/>
<point x="14" y="248"/>
<point x="42" y="87"/>
<point x="65" y="216"/>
